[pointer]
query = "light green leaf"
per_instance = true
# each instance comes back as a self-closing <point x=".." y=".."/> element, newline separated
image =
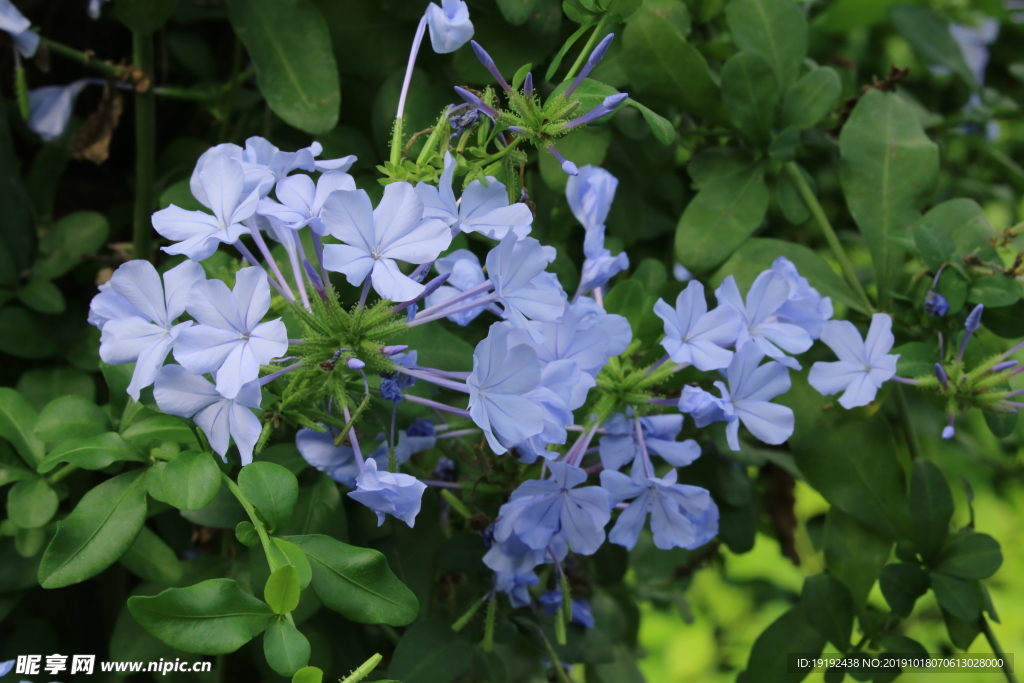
<point x="285" y="648"/>
<point x="357" y="582"/>
<point x="98" y="531"/>
<point x="663" y="130"/>
<point x="91" y="453"/>
<point x="282" y="589"/>
<point x="70" y="417"/>
<point x="282" y="552"/>
<point x="775" y="30"/>
<point x="290" y="47"/>
<point x="152" y="431"/>
<point x="272" y="489"/>
<point x="720" y="218"/>
<point x="888" y="168"/>
<point x="750" y="94"/>
<point x="210" y="618"/>
<point x="18" y="426"/>
<point x="188" y="482"/>
<point x="811" y="98"/>
<point x="151" y="559"/>
<point x="31" y="503"/>
<point x="308" y="674"/>
<point x="952" y="230"/>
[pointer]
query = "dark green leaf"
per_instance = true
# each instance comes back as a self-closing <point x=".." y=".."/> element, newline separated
<point x="789" y="633"/>
<point x="18" y="426"/>
<point x="952" y="230"/>
<point x="42" y="295"/>
<point x="285" y="648"/>
<point x="811" y="98"/>
<point x="662" y="128"/>
<point x="970" y="555"/>
<point x="660" y="62"/>
<point x="828" y="607"/>
<point x="70" y="417"/>
<point x="272" y="489"/>
<point x="210" y="618"/>
<point x="31" y="503"/>
<point x="42" y="385"/>
<point x="151" y="559"/>
<point x="1006" y="321"/>
<point x="98" y="531"/>
<point x="516" y="12"/>
<point x="319" y="511"/>
<point x="587" y="146"/>
<point x="290" y="47"/>
<point x="750" y="94"/>
<point x="152" y="431"/>
<point x="1001" y="425"/>
<point x="438" y="348"/>
<point x="430" y="652"/>
<point x="994" y="291"/>
<point x="357" y="582"/>
<point x="775" y="30"/>
<point x="17" y="230"/>
<point x="902" y="584"/>
<point x="222" y="512"/>
<point x="282" y="589"/>
<point x="790" y="202"/>
<point x="735" y="204"/>
<point x="67" y="240"/>
<point x="144" y="16"/>
<point x="188" y="482"/>
<point x="929" y="35"/>
<point x="854" y="553"/>
<point x="26" y="334"/>
<point x="888" y="169"/>
<point x="960" y="598"/>
<point x="245" y="532"/>
<point x="931" y="507"/>
<point x="91" y="453"/>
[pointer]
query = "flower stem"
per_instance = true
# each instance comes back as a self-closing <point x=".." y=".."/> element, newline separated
<point x="990" y="635"/>
<point x="908" y="426"/>
<point x="585" y="52"/>
<point x="145" y="150"/>
<point x="116" y="72"/>
<point x="253" y="517"/>
<point x="364" y="669"/>
<point x="830" y="234"/>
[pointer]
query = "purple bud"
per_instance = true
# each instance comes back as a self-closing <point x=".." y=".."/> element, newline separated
<point x="489" y="64"/>
<point x="936" y="304"/>
<point x="355" y="364"/>
<point x="476" y="102"/>
<point x="610" y="104"/>
<point x="516" y="129"/>
<point x="315" y="279"/>
<point x="974" y="319"/>
<point x="528" y="84"/>
<point x="432" y="286"/>
<point x="1005" y="365"/>
<point x="940" y="373"/>
<point x="567" y="166"/>
<point x="948" y="432"/>
<point x="592" y="61"/>
<point x="394" y="350"/>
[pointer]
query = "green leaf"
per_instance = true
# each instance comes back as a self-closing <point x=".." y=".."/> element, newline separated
<point x="828" y="607"/>
<point x="631" y="300"/>
<point x="308" y="674"/>
<point x="91" y="453"/>
<point x="282" y="590"/>
<point x="246" y="533"/>
<point x="31" y="503"/>
<point x="68" y="240"/>
<point x="17" y="230"/>
<point x="961" y="633"/>
<point x="775" y="30"/>
<point x="854" y="553"/>
<point x="319" y="510"/>
<point x="286" y="649"/>
<point x="222" y="512"/>
<point x="969" y="555"/>
<point x="1006" y="321"/>
<point x="931" y="507"/>
<point x="888" y="168"/>
<point x="902" y="584"/>
<point x="430" y="652"/>
<point x="152" y="431"/>
<point x="41" y="385"/>
<point x="70" y="417"/>
<point x="952" y="230"/>
<point x="357" y="582"/>
<point x="587" y="146"/>
<point x="42" y="295"/>
<point x="144" y="16"/>
<point x="272" y="489"/>
<point x="994" y="291"/>
<point x="1001" y="425"/>
<point x="18" y="426"/>
<point x="438" y="348"/>
<point x="663" y="130"/>
<point x="290" y="47"/>
<point x="188" y="482"/>
<point x="284" y="553"/>
<point x="210" y="618"/>
<point x="750" y="94"/>
<point x="790" y="202"/>
<point x="98" y="531"/>
<point x="516" y="12"/>
<point x="810" y="99"/>
<point x="789" y="633"/>
<point x="929" y="35"/>
<point x="961" y="598"/>
<point x="660" y="62"/>
<point x="151" y="559"/>
<point x="26" y="334"/>
<point x="653" y="275"/>
<point x="735" y="204"/>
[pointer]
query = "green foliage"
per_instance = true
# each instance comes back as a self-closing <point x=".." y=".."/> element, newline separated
<point x="188" y="482"/>
<point x="272" y="489"/>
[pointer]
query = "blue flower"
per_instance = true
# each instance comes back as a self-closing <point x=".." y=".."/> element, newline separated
<point x="109" y="305"/>
<point x="805" y="306"/>
<point x="681" y="516"/>
<point x="681" y="273"/>
<point x="541" y="511"/>
<point x="50" y="107"/>
<point x="388" y="493"/>
<point x="582" y="613"/>
<point x="693" y="334"/>
<point x="515" y="586"/>
<point x="590" y="195"/>
<point x="974" y="42"/>
<point x="374" y="239"/>
<point x="481" y="209"/>
<point x="300" y="202"/>
<point x="178" y="392"/>
<point x="557" y="395"/>
<point x="144" y="330"/>
<point x="747" y="399"/>
<point x="935" y="304"/>
<point x="759" y="317"/>
<point x="599" y="266"/>
<point x="450" y="27"/>
<point x="863" y="365"/>
<point x="229" y="339"/>
<point x="224" y="192"/>
<point x="466" y="273"/>
<point x="500" y="378"/>
<point x="521" y="285"/>
<point x="511" y="554"/>
<point x="339" y="462"/>
<point x="619" y="446"/>
<point x="13" y="22"/>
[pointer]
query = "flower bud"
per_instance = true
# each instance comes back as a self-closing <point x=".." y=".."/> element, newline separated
<point x="936" y="304"/>
<point x="355" y="364"/>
